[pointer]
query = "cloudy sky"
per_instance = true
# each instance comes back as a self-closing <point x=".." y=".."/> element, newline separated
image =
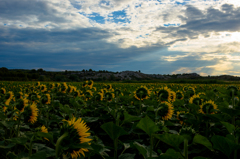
<point x="154" y="36"/>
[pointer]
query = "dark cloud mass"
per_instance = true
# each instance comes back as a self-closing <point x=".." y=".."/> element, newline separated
<point x="70" y="45"/>
<point x="200" y="23"/>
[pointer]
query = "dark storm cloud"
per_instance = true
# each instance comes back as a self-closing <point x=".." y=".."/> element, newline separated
<point x="200" y="23"/>
<point x="41" y="35"/>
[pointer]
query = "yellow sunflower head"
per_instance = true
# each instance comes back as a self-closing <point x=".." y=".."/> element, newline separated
<point x="88" y="94"/>
<point x="208" y="107"/>
<point x="164" y="94"/>
<point x="8" y="97"/>
<point x="109" y="96"/>
<point x="21" y="104"/>
<point x="99" y="96"/>
<point x="18" y="95"/>
<point x="117" y="92"/>
<point x="179" y="116"/>
<point x="31" y="113"/>
<point x="90" y="84"/>
<point x="46" y="99"/>
<point x="142" y="93"/>
<point x="165" y="110"/>
<point x="37" y="84"/>
<point x="2" y="91"/>
<point x="195" y="99"/>
<point x="44" y="130"/>
<point x="43" y="88"/>
<point x="64" y="87"/>
<point x="77" y="133"/>
<point x="179" y="95"/>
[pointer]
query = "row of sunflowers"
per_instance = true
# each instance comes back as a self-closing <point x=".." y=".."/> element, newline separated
<point x="102" y="120"/>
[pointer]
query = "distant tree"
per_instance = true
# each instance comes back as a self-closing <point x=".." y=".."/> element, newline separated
<point x="3" y="69"/>
<point x="74" y="78"/>
<point x="40" y="70"/>
<point x="139" y="71"/>
<point x="33" y="71"/>
<point x="83" y="70"/>
<point x="90" y="70"/>
<point x="112" y="78"/>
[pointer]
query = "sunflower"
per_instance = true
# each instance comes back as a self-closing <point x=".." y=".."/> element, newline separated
<point x="99" y="96"/>
<point x="118" y="92"/>
<point x="31" y="113"/>
<point x="64" y="87"/>
<point x="179" y="95"/>
<point x="196" y="100"/>
<point x="172" y="96"/>
<point x="90" y="84"/>
<point x="44" y="130"/>
<point x="85" y="84"/>
<point x="21" y="104"/>
<point x="164" y="94"/>
<point x="18" y="95"/>
<point x="2" y="91"/>
<point x="8" y="97"/>
<point x="179" y="117"/>
<point x="210" y="105"/>
<point x="52" y="85"/>
<point x="43" y="88"/>
<point x="77" y="133"/>
<point x="109" y="96"/>
<point x="34" y="96"/>
<point x="142" y="93"/>
<point x="37" y="84"/>
<point x="232" y="90"/>
<point x="108" y="87"/>
<point x="70" y="89"/>
<point x="191" y="91"/>
<point x="46" y="99"/>
<point x="165" y="110"/>
<point x="88" y="94"/>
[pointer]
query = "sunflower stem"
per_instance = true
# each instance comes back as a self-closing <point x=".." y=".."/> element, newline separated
<point x="235" y="152"/>
<point x="18" y="127"/>
<point x="115" y="148"/>
<point x="186" y="148"/>
<point x="58" y="144"/>
<point x="151" y="144"/>
<point x="30" y="147"/>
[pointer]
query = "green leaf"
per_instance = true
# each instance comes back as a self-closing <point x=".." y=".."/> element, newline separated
<point x="142" y="149"/>
<point x="79" y="146"/>
<point x="126" y="156"/>
<point x="126" y="145"/>
<point x="171" y="139"/>
<point x="229" y="127"/>
<point x="199" y="157"/>
<point x="46" y="135"/>
<point x="113" y="130"/>
<point x="223" y="144"/>
<point x="147" y="125"/>
<point x="39" y="155"/>
<point x="19" y="140"/>
<point x="199" y="139"/>
<point x="130" y="118"/>
<point x="170" y="154"/>
<point x="8" y="146"/>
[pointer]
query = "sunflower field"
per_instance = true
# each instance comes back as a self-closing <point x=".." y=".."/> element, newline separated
<point x="119" y="121"/>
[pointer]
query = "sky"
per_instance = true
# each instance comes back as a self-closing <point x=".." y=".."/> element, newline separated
<point x="153" y="36"/>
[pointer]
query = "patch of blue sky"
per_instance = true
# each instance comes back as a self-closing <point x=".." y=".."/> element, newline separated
<point x="94" y="17"/>
<point x="76" y="5"/>
<point x="167" y="25"/>
<point x="119" y="16"/>
<point x="107" y="3"/>
<point x="4" y="24"/>
<point x="182" y="3"/>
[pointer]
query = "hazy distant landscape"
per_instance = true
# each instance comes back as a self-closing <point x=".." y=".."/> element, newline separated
<point x="104" y="75"/>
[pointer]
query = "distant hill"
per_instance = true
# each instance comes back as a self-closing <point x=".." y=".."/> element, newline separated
<point x="101" y="75"/>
